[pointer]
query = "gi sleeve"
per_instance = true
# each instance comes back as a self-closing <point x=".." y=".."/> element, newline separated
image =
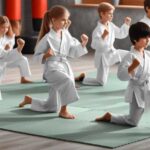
<point x="121" y="32"/>
<point x="76" y="49"/>
<point x="98" y="43"/>
<point x="40" y="49"/>
<point x="122" y="72"/>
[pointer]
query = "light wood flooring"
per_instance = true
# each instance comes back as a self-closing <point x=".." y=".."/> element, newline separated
<point x="17" y="141"/>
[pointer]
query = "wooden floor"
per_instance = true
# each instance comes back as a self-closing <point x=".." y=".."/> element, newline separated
<point x="17" y="141"/>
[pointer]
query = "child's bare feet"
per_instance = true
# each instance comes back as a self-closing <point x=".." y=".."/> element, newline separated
<point x="106" y="117"/>
<point x="24" y="80"/>
<point x="27" y="100"/>
<point x="65" y="114"/>
<point x="80" y="77"/>
<point x="20" y="43"/>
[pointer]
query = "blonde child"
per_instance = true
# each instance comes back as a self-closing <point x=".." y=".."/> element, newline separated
<point x="7" y="55"/>
<point x="7" y="41"/>
<point x="103" y="38"/>
<point x="134" y="68"/>
<point x="55" y="43"/>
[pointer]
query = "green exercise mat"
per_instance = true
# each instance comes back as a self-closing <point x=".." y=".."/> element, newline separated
<point x="94" y="101"/>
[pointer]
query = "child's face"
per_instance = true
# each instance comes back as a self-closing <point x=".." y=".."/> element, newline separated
<point x="61" y="22"/>
<point x="142" y="42"/>
<point x="4" y="28"/>
<point x="107" y="16"/>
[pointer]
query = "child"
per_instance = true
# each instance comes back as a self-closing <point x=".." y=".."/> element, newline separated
<point x="135" y="68"/>
<point x="146" y="18"/>
<point x="7" y="41"/>
<point x="103" y="38"/>
<point x="54" y="45"/>
<point x="8" y="55"/>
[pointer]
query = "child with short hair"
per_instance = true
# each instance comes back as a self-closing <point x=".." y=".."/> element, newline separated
<point x="55" y="43"/>
<point x="134" y="68"/>
<point x="103" y="38"/>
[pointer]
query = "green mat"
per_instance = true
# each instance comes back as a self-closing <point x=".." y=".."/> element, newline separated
<point x="93" y="101"/>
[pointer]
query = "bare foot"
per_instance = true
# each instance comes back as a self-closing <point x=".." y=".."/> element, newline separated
<point x="20" y="43"/>
<point x="66" y="115"/>
<point x="80" y="77"/>
<point x="106" y="117"/>
<point x="24" y="80"/>
<point x="27" y="100"/>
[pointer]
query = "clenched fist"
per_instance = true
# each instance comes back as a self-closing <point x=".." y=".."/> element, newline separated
<point x="84" y="39"/>
<point x="20" y="43"/>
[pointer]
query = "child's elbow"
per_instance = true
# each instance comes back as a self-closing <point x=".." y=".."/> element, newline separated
<point x="123" y="76"/>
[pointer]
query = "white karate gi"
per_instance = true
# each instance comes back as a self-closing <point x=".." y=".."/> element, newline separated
<point x="105" y="53"/>
<point x="57" y="70"/>
<point x="138" y="90"/>
<point x="14" y="60"/>
<point x="7" y="56"/>
<point x="146" y="20"/>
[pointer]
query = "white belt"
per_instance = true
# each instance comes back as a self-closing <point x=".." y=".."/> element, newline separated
<point x="136" y="83"/>
<point x="57" y="58"/>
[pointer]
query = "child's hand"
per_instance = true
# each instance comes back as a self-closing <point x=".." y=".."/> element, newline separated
<point x="68" y="24"/>
<point x="127" y="20"/>
<point x="105" y="34"/>
<point x="20" y="43"/>
<point x="48" y="54"/>
<point x="134" y="64"/>
<point x="7" y="47"/>
<point x="84" y="39"/>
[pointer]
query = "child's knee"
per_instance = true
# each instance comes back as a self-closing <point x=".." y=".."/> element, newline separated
<point x="134" y="122"/>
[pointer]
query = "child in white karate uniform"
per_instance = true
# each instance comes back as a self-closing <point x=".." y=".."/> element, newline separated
<point x="135" y="68"/>
<point x="7" y="41"/>
<point x="7" y="55"/>
<point x="103" y="38"/>
<point x="55" y="43"/>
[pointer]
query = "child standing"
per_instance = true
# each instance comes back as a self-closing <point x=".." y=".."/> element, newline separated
<point x="103" y="38"/>
<point x="135" y="68"/>
<point x="54" y="45"/>
<point x="7" y="41"/>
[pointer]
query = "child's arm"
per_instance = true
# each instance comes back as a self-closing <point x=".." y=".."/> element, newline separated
<point x="105" y="34"/>
<point x="76" y="48"/>
<point x="126" y="69"/>
<point x="99" y="39"/>
<point x="84" y="39"/>
<point x="48" y="54"/>
<point x="134" y="65"/>
<point x="7" y="47"/>
<point x="122" y="32"/>
<point x="41" y="48"/>
<point x="20" y="43"/>
<point x="127" y="21"/>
